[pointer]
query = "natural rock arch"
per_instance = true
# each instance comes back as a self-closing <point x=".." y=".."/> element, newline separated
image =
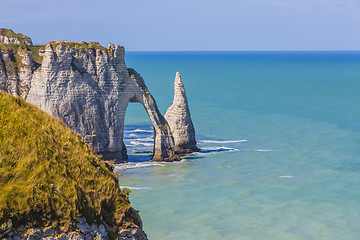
<point x="163" y="149"/>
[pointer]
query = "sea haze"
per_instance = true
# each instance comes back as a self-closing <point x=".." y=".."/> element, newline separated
<point x="280" y="133"/>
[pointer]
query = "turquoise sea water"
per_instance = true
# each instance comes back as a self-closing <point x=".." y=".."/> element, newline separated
<point x="280" y="133"/>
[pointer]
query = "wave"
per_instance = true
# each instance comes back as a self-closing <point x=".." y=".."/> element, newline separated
<point x="124" y="166"/>
<point x="264" y="150"/>
<point x="220" y="149"/>
<point x="137" y="143"/>
<point x="140" y="130"/>
<point x="132" y="135"/>
<point x="286" y="176"/>
<point x="137" y="188"/>
<point x="148" y="139"/>
<point x="223" y="141"/>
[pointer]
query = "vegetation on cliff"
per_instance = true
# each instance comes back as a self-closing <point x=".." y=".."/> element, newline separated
<point x="11" y="34"/>
<point x="16" y="50"/>
<point x="80" y="46"/>
<point x="15" y="64"/>
<point x="49" y="176"/>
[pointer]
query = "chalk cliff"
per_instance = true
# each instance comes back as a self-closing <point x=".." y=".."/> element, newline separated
<point x="87" y="86"/>
<point x="8" y="36"/>
<point x="179" y="119"/>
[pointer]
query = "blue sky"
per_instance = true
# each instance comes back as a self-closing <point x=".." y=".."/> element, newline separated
<point x="163" y="25"/>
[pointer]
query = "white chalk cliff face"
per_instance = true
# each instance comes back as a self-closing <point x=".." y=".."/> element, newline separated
<point x="179" y="119"/>
<point x="14" y="40"/>
<point x="89" y="89"/>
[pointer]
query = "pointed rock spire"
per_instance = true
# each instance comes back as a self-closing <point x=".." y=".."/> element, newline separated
<point x="179" y="119"/>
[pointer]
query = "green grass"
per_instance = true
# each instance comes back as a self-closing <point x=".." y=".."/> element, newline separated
<point x="48" y="175"/>
<point x="13" y="47"/>
<point x="15" y="65"/>
<point x="36" y="54"/>
<point x="81" y="46"/>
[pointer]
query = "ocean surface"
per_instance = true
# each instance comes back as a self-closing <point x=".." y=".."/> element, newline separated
<point x="280" y="134"/>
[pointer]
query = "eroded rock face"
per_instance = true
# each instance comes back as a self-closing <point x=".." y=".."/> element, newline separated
<point x="179" y="119"/>
<point x="89" y="89"/>
<point x="7" y="40"/>
<point x="82" y="231"/>
<point x="12" y="79"/>
<point x="8" y="36"/>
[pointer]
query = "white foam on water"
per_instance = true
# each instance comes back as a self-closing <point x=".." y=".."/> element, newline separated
<point x="224" y="141"/>
<point x="176" y="175"/>
<point x="148" y="139"/>
<point x="140" y="130"/>
<point x="137" y="188"/>
<point x="124" y="166"/>
<point x="264" y="150"/>
<point x="221" y="149"/>
<point x="137" y="143"/>
<point x="286" y="176"/>
<point x="132" y="135"/>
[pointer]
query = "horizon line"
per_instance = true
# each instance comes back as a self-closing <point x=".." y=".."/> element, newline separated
<point x="242" y="50"/>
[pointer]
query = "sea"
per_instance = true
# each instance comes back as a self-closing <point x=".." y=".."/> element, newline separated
<point x="280" y="140"/>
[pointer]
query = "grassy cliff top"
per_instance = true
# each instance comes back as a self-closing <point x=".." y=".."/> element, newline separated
<point x="35" y="50"/>
<point x="49" y="175"/>
<point x="11" y="34"/>
<point x="77" y="45"/>
<point x="81" y="45"/>
<point x="16" y="61"/>
<point x="26" y="42"/>
<point x="16" y="48"/>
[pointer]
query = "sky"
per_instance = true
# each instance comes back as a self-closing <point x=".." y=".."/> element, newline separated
<point x="190" y="25"/>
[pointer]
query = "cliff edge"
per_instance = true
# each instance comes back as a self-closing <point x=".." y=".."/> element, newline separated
<point x="52" y="185"/>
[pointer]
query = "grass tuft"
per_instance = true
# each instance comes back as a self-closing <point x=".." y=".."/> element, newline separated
<point x="81" y="46"/>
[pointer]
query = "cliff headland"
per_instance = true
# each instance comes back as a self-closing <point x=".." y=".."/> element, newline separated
<point x="89" y="87"/>
<point x="68" y="104"/>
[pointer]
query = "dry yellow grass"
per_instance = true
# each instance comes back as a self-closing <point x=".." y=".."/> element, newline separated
<point x="49" y="175"/>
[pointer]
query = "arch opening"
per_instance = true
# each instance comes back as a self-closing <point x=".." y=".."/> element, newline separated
<point x="138" y="133"/>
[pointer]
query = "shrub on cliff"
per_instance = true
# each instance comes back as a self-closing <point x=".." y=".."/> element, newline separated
<point x="48" y="175"/>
